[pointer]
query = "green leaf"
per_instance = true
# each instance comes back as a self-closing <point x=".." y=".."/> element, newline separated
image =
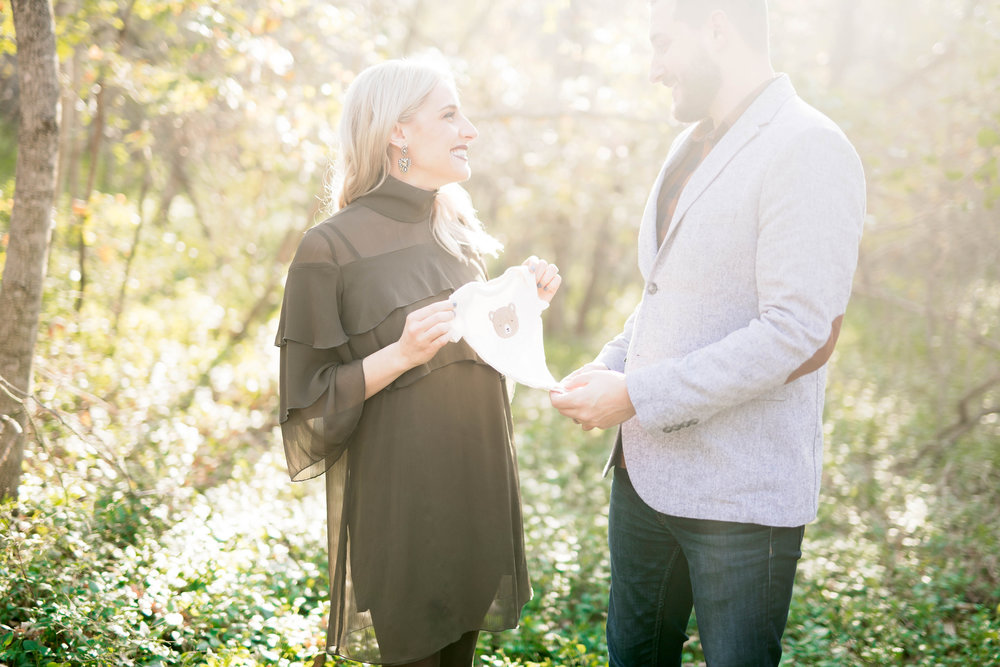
<point x="988" y="137"/>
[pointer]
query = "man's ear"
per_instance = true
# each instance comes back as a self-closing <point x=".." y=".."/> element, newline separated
<point x="720" y="30"/>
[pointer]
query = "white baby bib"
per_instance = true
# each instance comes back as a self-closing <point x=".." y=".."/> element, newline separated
<point x="502" y="321"/>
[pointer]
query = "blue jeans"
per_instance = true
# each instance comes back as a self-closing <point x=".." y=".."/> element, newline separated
<point x="737" y="577"/>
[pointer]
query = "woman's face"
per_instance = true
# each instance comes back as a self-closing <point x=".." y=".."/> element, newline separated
<point x="437" y="140"/>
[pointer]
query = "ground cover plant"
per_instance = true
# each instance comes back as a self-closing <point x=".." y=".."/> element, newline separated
<point x="186" y="544"/>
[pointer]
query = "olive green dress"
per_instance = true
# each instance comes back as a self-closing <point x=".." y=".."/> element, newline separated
<point x="423" y="504"/>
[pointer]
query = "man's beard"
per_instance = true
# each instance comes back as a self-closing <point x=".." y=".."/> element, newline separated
<point x="701" y="83"/>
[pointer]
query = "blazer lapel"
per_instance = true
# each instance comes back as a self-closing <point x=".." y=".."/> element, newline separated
<point x="648" y="245"/>
<point x="746" y="127"/>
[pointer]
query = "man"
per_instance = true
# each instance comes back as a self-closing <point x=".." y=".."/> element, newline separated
<point x="747" y="247"/>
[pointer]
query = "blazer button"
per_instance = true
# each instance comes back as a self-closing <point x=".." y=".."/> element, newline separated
<point x="651" y="288"/>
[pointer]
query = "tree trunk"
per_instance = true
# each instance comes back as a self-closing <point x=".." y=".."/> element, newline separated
<point x="94" y="151"/>
<point x="30" y="226"/>
<point x="598" y="271"/>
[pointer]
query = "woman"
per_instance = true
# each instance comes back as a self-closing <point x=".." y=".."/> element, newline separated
<point x="414" y="433"/>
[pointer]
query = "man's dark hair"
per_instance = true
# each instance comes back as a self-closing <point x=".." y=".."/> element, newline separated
<point x="748" y="16"/>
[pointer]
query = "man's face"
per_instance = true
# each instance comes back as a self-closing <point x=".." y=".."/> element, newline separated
<point x="681" y="61"/>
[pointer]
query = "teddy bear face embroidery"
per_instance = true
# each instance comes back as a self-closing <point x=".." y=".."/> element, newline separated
<point x="504" y="321"/>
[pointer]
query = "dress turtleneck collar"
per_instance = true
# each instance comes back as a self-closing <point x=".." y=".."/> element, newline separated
<point x="400" y="201"/>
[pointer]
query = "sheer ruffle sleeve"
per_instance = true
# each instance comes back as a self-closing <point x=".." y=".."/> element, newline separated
<point x="322" y="387"/>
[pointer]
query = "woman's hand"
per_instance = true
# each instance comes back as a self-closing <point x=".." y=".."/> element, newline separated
<point x="547" y="277"/>
<point x="426" y="331"/>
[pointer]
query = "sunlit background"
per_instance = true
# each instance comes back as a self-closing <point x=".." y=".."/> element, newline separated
<point x="155" y="523"/>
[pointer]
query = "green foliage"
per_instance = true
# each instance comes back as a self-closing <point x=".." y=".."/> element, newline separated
<point x="156" y="525"/>
<point x="896" y="570"/>
<point x="123" y="581"/>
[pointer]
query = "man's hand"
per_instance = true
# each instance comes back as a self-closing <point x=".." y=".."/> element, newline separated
<point x="594" y="397"/>
<point x="592" y="366"/>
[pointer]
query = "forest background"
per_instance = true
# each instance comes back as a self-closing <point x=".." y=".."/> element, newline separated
<point x="155" y="524"/>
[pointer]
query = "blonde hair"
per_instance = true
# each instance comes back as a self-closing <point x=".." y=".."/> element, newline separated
<point x="380" y="97"/>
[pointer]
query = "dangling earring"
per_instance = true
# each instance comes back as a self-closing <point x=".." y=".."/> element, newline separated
<point x="404" y="162"/>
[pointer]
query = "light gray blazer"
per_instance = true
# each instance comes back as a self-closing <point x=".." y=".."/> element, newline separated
<point x="757" y="262"/>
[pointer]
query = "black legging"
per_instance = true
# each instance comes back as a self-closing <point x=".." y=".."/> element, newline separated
<point x="457" y="654"/>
